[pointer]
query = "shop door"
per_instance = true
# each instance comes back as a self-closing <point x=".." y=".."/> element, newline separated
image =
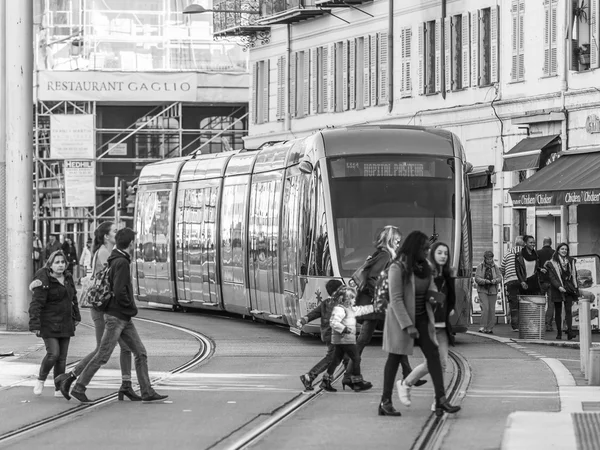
<point x="481" y="219"/>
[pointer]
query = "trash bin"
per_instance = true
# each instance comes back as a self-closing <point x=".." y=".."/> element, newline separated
<point x="531" y="316"/>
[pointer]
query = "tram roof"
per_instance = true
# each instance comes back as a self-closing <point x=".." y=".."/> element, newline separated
<point x="161" y="172"/>
<point x="389" y="138"/>
<point x="206" y="166"/>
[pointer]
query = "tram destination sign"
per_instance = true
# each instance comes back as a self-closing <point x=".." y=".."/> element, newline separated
<point x="371" y="167"/>
<point x="557" y="198"/>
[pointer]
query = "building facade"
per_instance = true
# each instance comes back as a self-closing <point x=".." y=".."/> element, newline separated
<point x="120" y="84"/>
<point x="515" y="80"/>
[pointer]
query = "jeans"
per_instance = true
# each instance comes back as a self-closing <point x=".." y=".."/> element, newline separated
<point x="488" y="310"/>
<point x="322" y="365"/>
<point x="568" y="314"/>
<point x="125" y="356"/>
<point x="512" y="289"/>
<point x="432" y="355"/>
<point x="56" y="357"/>
<point x="114" y="330"/>
<point x="338" y="353"/>
<point x="366" y="334"/>
<point x="423" y="369"/>
<point x="389" y="373"/>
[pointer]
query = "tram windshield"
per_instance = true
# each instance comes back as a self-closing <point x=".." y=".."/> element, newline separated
<point x="412" y="192"/>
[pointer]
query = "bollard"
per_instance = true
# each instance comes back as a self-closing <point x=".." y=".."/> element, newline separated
<point x="594" y="367"/>
<point x="585" y="334"/>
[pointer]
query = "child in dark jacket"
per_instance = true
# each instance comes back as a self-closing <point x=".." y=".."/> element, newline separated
<point x="323" y="310"/>
<point x="343" y="338"/>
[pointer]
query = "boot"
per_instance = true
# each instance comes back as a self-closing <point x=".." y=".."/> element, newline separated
<point x="571" y="334"/>
<point x="387" y="409"/>
<point x="326" y="384"/>
<point x="65" y="382"/>
<point x="126" y="390"/>
<point x="443" y="406"/>
<point x="358" y="384"/>
<point x="307" y="382"/>
<point x="156" y="397"/>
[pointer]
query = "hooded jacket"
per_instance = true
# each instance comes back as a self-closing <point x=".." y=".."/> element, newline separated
<point x="122" y="305"/>
<point x="323" y="310"/>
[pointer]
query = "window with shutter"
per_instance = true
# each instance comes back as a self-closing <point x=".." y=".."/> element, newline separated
<point x="421" y="69"/>
<point x="429" y="63"/>
<point x="456" y="51"/>
<point x="281" y="71"/>
<point x="475" y="48"/>
<point x="374" y="63"/>
<point x="466" y="52"/>
<point x="344" y="80"/>
<point x="383" y="67"/>
<point x="438" y="55"/>
<point x="553" y="37"/>
<point x="325" y="72"/>
<point x="367" y="71"/>
<point x="447" y="54"/>
<point x="293" y="63"/>
<point x="265" y="90"/>
<point x="352" y="73"/>
<point x="521" y="59"/>
<point x="485" y="47"/>
<point x="331" y="81"/>
<point x="494" y="47"/>
<point x="594" y="34"/>
<point x="306" y="83"/>
<point x="408" y="61"/>
<point x="254" y="85"/>
<point x="314" y="85"/>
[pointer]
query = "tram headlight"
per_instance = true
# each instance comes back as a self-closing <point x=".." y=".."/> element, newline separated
<point x="305" y="166"/>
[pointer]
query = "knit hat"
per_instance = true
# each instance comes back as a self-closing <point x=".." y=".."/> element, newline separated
<point x="488" y="254"/>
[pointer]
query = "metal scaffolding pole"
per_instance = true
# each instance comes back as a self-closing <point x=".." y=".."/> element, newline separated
<point x="3" y="247"/>
<point x="19" y="159"/>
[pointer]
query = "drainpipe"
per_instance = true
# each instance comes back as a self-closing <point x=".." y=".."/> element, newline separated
<point x="443" y="49"/>
<point x="564" y="132"/>
<point x="390" y="56"/>
<point x="287" y="124"/>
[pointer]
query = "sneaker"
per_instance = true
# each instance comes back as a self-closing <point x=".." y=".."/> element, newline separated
<point x="481" y="330"/>
<point x="433" y="406"/>
<point x="515" y="329"/>
<point x="306" y="381"/>
<point x="403" y="393"/>
<point x="39" y="387"/>
<point x="489" y="332"/>
<point x="58" y="394"/>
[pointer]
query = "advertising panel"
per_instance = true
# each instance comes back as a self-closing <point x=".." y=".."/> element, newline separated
<point x="80" y="183"/>
<point x="72" y="136"/>
<point x="588" y="273"/>
<point x="557" y="198"/>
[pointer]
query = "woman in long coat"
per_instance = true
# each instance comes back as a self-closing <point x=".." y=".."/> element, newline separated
<point x="409" y="320"/>
<point x="53" y="316"/>
<point x="563" y="287"/>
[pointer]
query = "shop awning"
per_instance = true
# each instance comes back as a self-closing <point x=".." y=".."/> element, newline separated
<point x="479" y="178"/>
<point x="570" y="180"/>
<point x="528" y="153"/>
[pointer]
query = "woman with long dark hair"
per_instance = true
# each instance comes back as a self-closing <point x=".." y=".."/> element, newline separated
<point x="104" y="241"/>
<point x="410" y="320"/>
<point x="53" y="316"/>
<point x="563" y="287"/>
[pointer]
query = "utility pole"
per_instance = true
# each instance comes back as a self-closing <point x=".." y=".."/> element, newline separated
<point x="19" y="159"/>
<point x="3" y="246"/>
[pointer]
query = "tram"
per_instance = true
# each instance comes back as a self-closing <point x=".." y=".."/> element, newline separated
<point x="260" y="232"/>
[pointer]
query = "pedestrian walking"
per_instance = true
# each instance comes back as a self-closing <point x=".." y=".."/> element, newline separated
<point x="103" y="245"/>
<point x="323" y="310"/>
<point x="511" y="281"/>
<point x="343" y="338"/>
<point x="410" y="320"/>
<point x="387" y="245"/>
<point x="563" y="287"/>
<point x="118" y="323"/>
<point x="545" y="254"/>
<point x="70" y="252"/>
<point x="52" y="245"/>
<point x="85" y="262"/>
<point x="53" y="316"/>
<point x="528" y="268"/>
<point x="36" y="254"/>
<point x="443" y="308"/>
<point x="487" y="278"/>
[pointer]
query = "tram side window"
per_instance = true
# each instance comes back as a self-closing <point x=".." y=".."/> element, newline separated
<point x="147" y="230"/>
<point x="227" y="231"/>
<point x="307" y="225"/>
<point x="162" y="226"/>
<point x="237" y="252"/>
<point x="321" y="254"/>
<point x="289" y="238"/>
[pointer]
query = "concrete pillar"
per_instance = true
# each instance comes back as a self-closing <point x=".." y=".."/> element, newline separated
<point x="572" y="236"/>
<point x="3" y="244"/>
<point x="19" y="159"/>
<point x="585" y="334"/>
<point x="564" y="225"/>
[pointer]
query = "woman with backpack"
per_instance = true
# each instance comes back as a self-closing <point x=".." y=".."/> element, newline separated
<point x="410" y="320"/>
<point x="104" y="242"/>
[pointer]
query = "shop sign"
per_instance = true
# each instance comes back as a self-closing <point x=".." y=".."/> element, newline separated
<point x="80" y="183"/>
<point x="557" y="198"/>
<point x="592" y="124"/>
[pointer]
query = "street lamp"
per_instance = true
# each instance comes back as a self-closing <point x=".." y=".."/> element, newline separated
<point x="199" y="9"/>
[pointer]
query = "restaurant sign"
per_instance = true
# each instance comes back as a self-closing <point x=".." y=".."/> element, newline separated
<point x="557" y="198"/>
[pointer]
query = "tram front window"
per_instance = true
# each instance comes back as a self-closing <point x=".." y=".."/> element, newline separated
<point x="412" y="192"/>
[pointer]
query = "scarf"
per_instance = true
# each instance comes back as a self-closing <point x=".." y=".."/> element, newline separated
<point x="421" y="269"/>
<point x="565" y="267"/>
<point x="488" y="272"/>
<point x="528" y="256"/>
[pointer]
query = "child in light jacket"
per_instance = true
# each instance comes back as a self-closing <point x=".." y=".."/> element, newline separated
<point x="343" y="338"/>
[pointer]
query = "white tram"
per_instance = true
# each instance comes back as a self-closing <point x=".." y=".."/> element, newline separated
<point x="260" y="232"/>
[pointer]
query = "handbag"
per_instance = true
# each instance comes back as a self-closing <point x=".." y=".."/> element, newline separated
<point x="570" y="287"/>
<point x="361" y="275"/>
<point x="435" y="297"/>
<point x="86" y="283"/>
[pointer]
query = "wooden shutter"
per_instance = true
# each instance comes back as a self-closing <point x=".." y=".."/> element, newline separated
<point x="438" y="55"/>
<point x="420" y="38"/>
<point x="466" y="53"/>
<point x="306" y="83"/>
<point x="352" y="73"/>
<point x="345" y="75"/>
<point x="521" y="58"/>
<point x="325" y="84"/>
<point x="252" y="105"/>
<point x="314" y="85"/>
<point x="265" y="93"/>
<point x="475" y="48"/>
<point x="293" y="65"/>
<point x="367" y="71"/>
<point x="383" y="68"/>
<point x="494" y="48"/>
<point x="547" y="27"/>
<point x="594" y="34"/>
<point x="374" y="63"/>
<point x="408" y="62"/>
<point x="281" y="70"/>
<point x="331" y="78"/>
<point x="448" y="53"/>
<point x="554" y="37"/>
<point x="403" y="61"/>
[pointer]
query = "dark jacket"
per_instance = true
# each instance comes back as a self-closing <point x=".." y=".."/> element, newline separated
<point x="522" y="270"/>
<point x="70" y="254"/>
<point x="122" y="305"/>
<point x="553" y="269"/>
<point x="441" y="313"/>
<point x="379" y="260"/>
<point x="544" y="255"/>
<point x="53" y="309"/>
<point x="323" y="310"/>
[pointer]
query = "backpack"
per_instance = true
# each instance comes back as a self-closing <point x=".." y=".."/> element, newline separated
<point x="381" y="296"/>
<point x="99" y="292"/>
<point x="361" y="275"/>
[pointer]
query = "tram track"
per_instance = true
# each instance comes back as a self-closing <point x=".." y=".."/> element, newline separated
<point x="205" y="351"/>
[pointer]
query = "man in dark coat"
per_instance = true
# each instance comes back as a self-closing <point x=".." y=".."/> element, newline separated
<point x="544" y="255"/>
<point x="52" y="245"/>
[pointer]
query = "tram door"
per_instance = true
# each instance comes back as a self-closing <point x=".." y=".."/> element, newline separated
<point x="263" y="258"/>
<point x="146" y="273"/>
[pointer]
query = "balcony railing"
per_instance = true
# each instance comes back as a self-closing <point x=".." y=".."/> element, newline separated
<point x="288" y="11"/>
<point x="236" y="22"/>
